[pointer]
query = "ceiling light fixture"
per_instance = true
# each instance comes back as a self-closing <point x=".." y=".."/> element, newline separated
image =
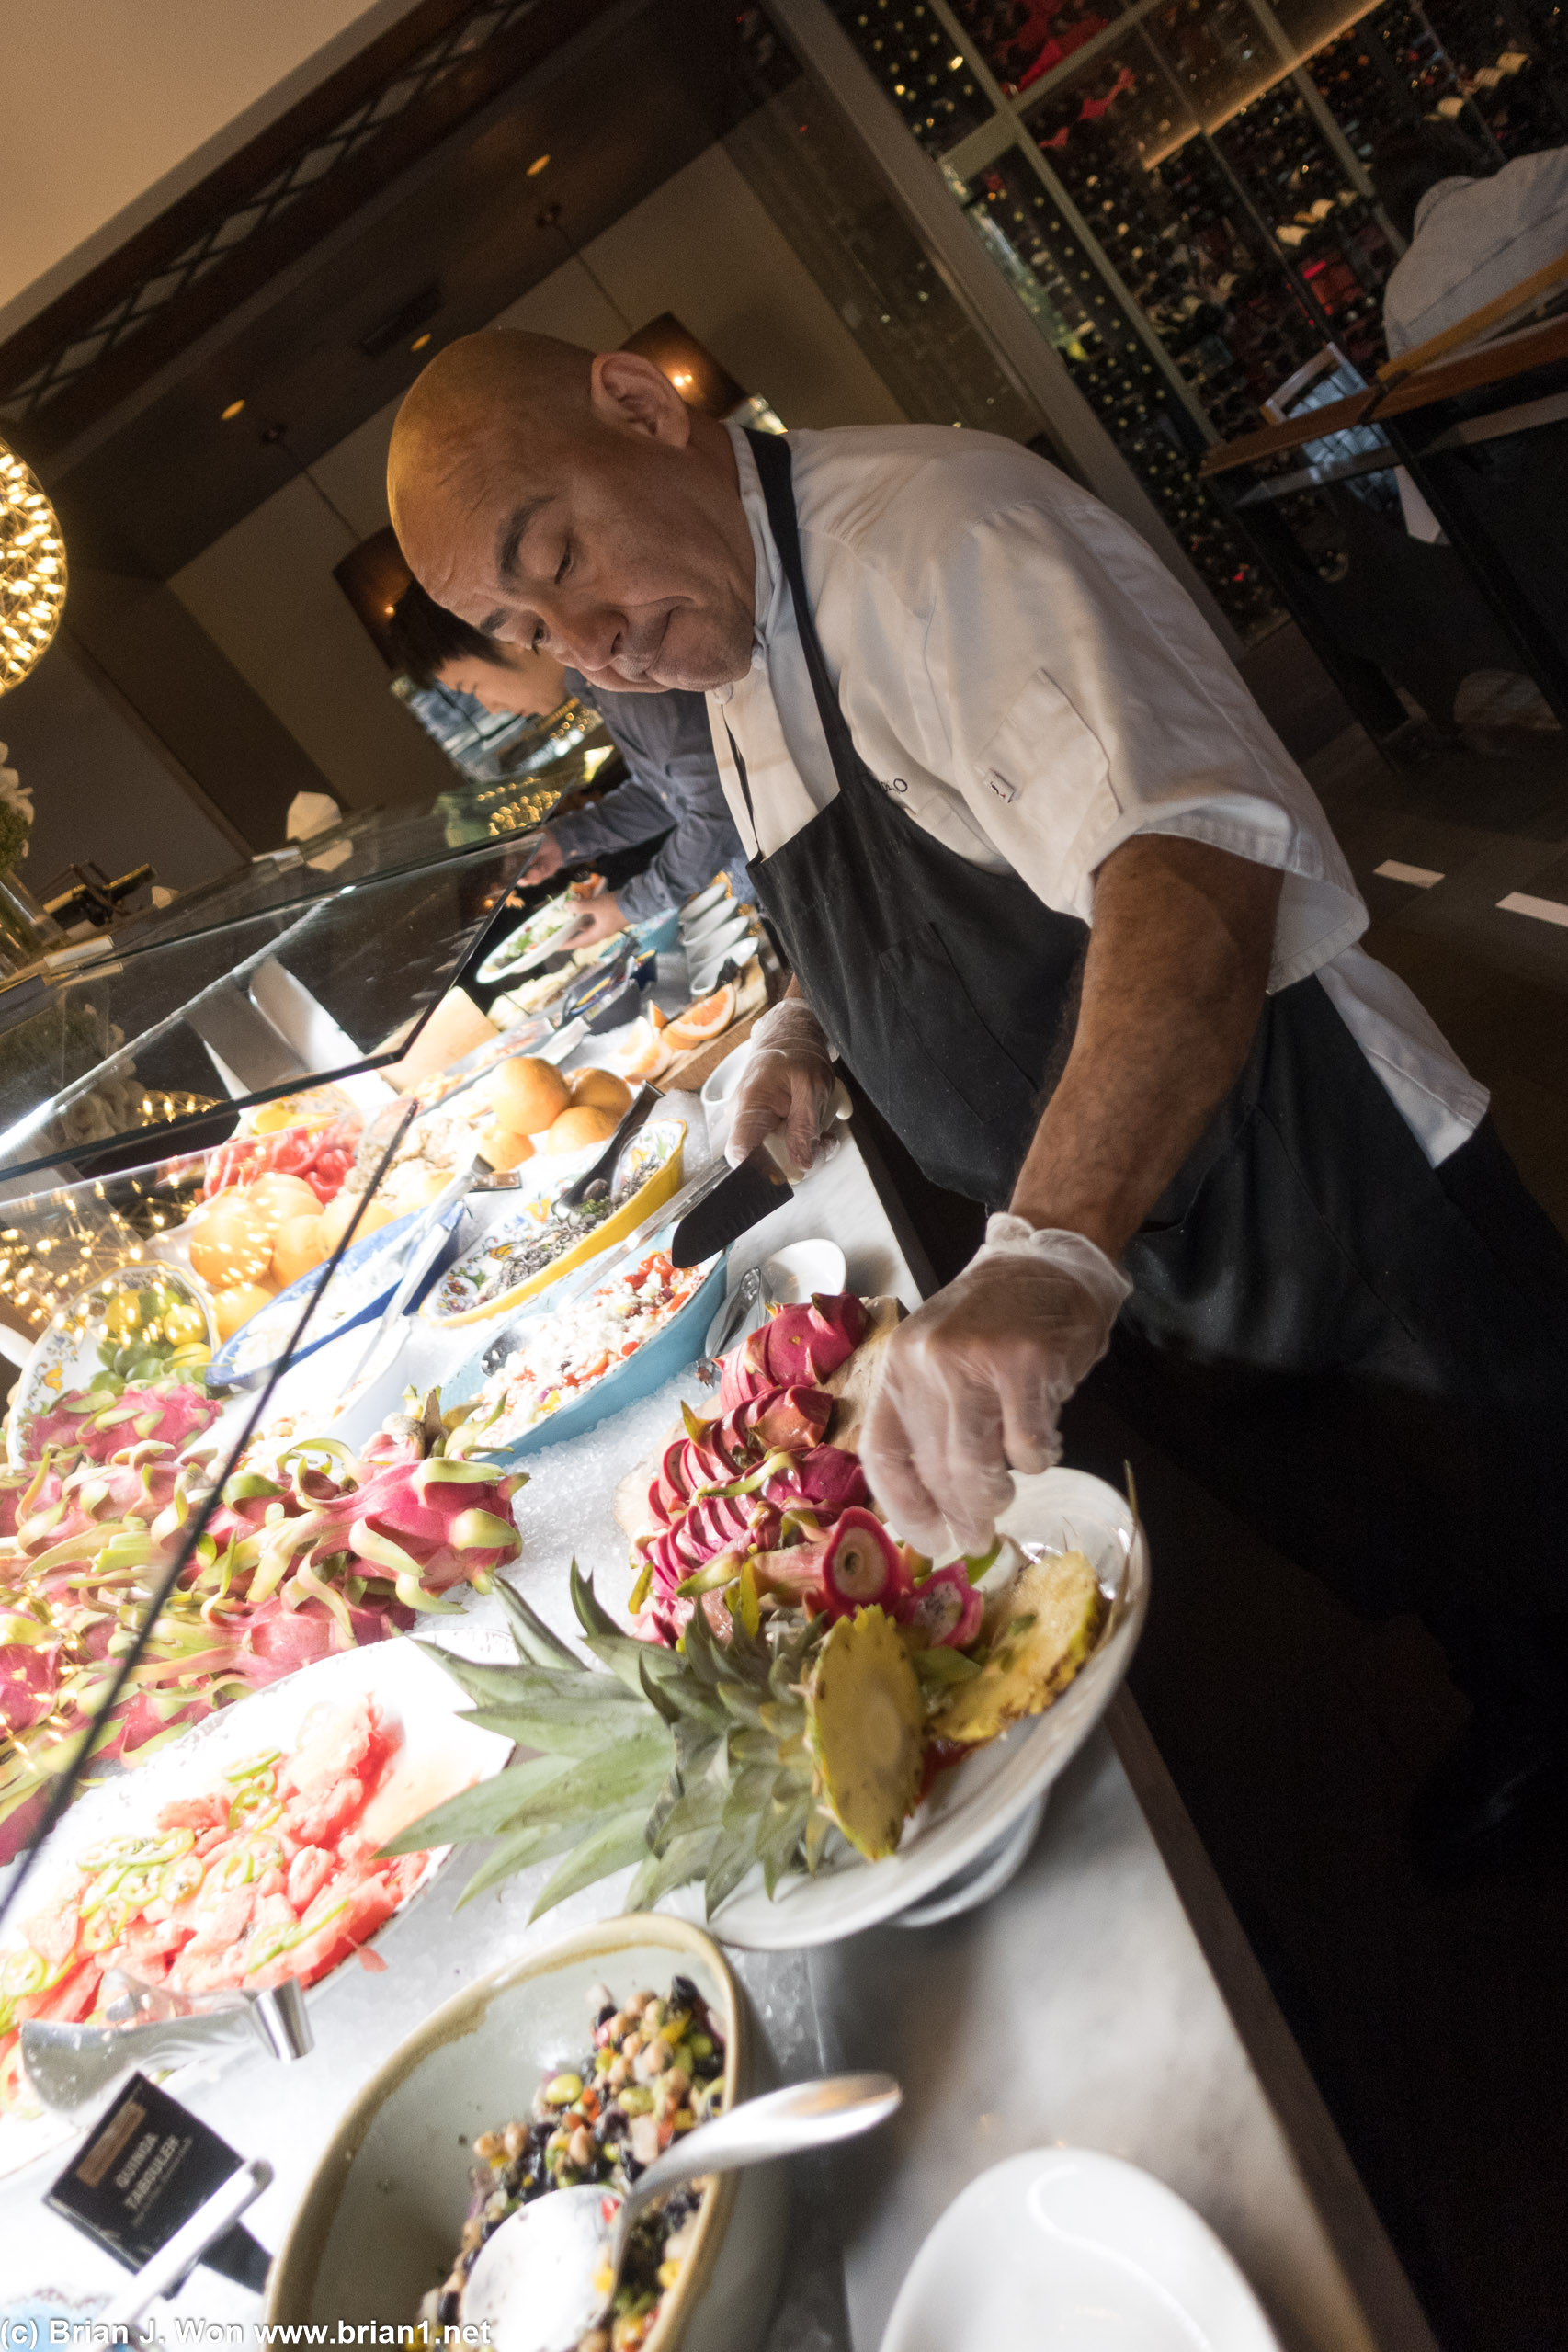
<point x="33" y="570"/>
<point x="232" y="410"/>
<point x="537" y="166"/>
<point x="420" y="341"/>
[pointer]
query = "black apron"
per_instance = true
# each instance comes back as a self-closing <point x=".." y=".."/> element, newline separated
<point x="1308" y="1290"/>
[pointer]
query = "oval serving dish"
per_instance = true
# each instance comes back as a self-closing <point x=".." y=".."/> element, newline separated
<point x="383" y="2217"/>
<point x="656" y="1149"/>
<point x="670" y="1349"/>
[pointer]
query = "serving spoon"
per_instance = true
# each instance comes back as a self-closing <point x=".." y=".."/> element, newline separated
<point x="550" y="2272"/>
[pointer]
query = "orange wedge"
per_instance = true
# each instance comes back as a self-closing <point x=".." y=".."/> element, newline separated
<point x="700" y="1022"/>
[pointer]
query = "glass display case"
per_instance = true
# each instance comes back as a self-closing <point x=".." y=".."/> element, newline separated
<point x="163" y="1032"/>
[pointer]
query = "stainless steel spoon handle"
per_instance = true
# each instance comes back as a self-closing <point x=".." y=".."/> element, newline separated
<point x="780" y="2123"/>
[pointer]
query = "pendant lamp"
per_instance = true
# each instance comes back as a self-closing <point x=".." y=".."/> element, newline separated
<point x="33" y="570"/>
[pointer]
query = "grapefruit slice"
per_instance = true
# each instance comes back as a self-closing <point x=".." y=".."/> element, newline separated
<point x="645" y="1054"/>
<point x="700" y="1022"/>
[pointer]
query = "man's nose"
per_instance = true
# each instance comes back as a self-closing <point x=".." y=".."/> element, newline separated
<point x="584" y="640"/>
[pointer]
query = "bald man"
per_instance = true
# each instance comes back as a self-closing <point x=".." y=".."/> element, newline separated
<point x="1056" y="893"/>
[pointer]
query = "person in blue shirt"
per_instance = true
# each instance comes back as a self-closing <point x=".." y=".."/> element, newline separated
<point x="672" y="789"/>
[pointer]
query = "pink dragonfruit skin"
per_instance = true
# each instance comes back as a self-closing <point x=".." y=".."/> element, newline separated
<point x="896" y="1586"/>
<point x="966" y="1626"/>
<point x="183" y="1412"/>
<point x="825" y="1481"/>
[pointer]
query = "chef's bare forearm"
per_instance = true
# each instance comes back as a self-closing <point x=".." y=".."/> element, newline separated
<point x="1173" y="983"/>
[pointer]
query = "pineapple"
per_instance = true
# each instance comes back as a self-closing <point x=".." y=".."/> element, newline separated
<point x="866" y="1718"/>
<point x="1051" y="1617"/>
<point x="694" y="1764"/>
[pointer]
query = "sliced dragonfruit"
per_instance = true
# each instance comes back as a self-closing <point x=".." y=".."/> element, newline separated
<point x="862" y="1565"/>
<point x="805" y="1344"/>
<point x="793" y="1418"/>
<point x="825" y="1479"/>
<point x="946" y="1608"/>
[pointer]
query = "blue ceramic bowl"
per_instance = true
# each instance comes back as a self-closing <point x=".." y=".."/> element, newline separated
<point x="657" y="1360"/>
<point x="658" y="931"/>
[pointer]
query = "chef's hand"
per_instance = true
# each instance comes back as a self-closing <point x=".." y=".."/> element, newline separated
<point x="971" y="1383"/>
<point x="546" y="861"/>
<point x="599" y="917"/>
<point x="789" y="1083"/>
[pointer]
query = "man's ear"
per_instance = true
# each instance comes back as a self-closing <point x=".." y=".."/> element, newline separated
<point x="630" y="394"/>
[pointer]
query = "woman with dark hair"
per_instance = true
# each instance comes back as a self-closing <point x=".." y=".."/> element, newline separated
<point x="664" y="739"/>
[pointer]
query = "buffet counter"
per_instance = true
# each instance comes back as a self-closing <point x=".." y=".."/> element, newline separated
<point x="1082" y="1984"/>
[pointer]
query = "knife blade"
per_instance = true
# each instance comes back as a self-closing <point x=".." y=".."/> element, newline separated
<point x="742" y="1200"/>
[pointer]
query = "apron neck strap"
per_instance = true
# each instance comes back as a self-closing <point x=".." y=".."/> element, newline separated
<point x="775" y="471"/>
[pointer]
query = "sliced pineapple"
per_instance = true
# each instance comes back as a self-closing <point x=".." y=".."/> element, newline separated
<point x="865" y="1722"/>
<point x="1050" y="1621"/>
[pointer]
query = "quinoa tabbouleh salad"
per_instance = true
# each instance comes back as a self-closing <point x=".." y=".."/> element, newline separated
<point x="655" y="2071"/>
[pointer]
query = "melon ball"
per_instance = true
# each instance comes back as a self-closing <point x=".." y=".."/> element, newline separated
<point x="233" y="1307"/>
<point x="230" y="1244"/>
<point x="503" y="1149"/>
<point x="526" y="1095"/>
<point x="296" y="1248"/>
<point x="602" y="1088"/>
<point x="584" y="1123"/>
<point x="278" y="1198"/>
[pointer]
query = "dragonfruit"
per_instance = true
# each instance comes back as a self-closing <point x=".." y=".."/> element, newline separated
<point x="100" y="1421"/>
<point x="317" y="1552"/>
<point x="796" y="1346"/>
<point x="863" y="1565"/>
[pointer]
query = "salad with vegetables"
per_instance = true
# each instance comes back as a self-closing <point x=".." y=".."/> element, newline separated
<point x="270" y="1873"/>
<point x="559" y="1355"/>
<point x="655" y="2070"/>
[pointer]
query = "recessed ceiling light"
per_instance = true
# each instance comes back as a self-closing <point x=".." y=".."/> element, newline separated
<point x="232" y="410"/>
<point x="420" y="341"/>
<point x="537" y="166"/>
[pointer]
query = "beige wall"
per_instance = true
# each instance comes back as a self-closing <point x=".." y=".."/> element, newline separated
<point x="111" y="109"/>
<point x="703" y="246"/>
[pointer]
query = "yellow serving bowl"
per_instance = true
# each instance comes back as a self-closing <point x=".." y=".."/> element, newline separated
<point x="652" y="1194"/>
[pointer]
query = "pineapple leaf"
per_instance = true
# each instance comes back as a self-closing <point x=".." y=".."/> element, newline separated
<point x="684" y="1860"/>
<point x="778" y="1838"/>
<point x="532" y="1636"/>
<point x="742" y="1704"/>
<point x="619" y="1843"/>
<point x="573" y="1727"/>
<point x="631" y="1772"/>
<point x="754" y="1747"/>
<point x="485" y="1810"/>
<point x="699" y="1810"/>
<point x="521" y="1685"/>
<point x="662" y="1705"/>
<point x="510" y="1855"/>
<point x="733" y="1853"/>
<point x="751" y="1790"/>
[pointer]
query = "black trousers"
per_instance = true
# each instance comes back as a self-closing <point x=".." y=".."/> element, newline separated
<point x="1430" y="1471"/>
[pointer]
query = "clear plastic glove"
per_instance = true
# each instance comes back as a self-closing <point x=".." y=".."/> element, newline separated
<point x="789" y="1083"/>
<point x="972" y="1384"/>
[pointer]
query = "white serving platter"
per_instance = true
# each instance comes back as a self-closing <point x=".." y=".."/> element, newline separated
<point x="971" y="1806"/>
<point x="441" y="1752"/>
<point x="1066" y="2247"/>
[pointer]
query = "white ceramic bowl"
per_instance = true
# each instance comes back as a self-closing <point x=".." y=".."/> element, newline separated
<point x="381" y="2219"/>
<point x="802" y="1270"/>
<point x="704" y="900"/>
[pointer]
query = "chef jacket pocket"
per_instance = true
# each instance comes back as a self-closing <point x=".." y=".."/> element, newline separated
<point x="952" y="1031"/>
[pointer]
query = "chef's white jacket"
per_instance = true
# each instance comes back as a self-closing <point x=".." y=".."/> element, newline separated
<point x="1475" y="240"/>
<point x="1030" y="681"/>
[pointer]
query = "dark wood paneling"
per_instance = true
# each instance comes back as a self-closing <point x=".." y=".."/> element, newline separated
<point x="651" y="88"/>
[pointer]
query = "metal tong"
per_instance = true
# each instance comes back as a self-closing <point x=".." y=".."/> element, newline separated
<point x="69" y="2067"/>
